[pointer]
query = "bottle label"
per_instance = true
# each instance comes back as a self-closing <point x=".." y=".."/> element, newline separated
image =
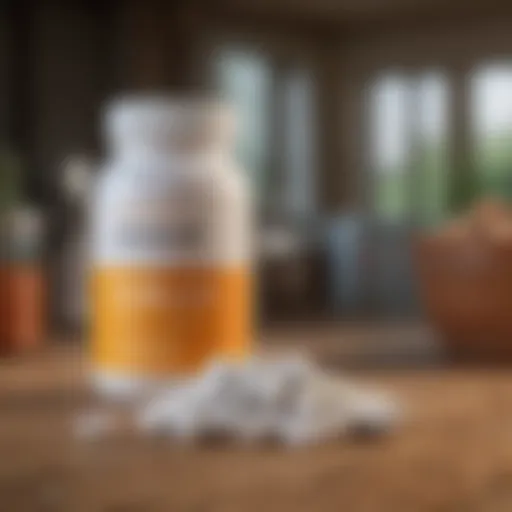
<point x="170" y="284"/>
<point x="162" y="320"/>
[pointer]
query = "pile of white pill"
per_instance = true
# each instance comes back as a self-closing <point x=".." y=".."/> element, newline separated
<point x="287" y="399"/>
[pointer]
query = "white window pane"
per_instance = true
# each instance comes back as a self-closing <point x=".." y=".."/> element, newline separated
<point x="244" y="79"/>
<point x="492" y="128"/>
<point x="409" y="127"/>
<point x="390" y="145"/>
<point x="432" y="162"/>
<point x="299" y="190"/>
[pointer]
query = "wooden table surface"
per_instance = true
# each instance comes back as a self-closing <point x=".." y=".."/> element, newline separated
<point x="453" y="454"/>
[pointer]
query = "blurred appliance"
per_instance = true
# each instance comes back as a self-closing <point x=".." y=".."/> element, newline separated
<point x="292" y="274"/>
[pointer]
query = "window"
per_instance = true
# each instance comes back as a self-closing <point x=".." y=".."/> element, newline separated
<point x="409" y="158"/>
<point x="390" y="147"/>
<point x="245" y="80"/>
<point x="298" y="146"/>
<point x="274" y="103"/>
<point x="491" y="111"/>
<point x="432" y="147"/>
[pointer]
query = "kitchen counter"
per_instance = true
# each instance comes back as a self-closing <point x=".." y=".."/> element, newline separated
<point x="453" y="453"/>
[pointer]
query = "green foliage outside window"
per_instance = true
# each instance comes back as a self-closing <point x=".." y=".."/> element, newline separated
<point x="432" y="190"/>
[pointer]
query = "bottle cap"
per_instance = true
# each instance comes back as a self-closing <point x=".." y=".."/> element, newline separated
<point x="162" y="122"/>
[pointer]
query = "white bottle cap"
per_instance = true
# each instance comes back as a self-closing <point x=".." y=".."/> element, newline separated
<point x="162" y="122"/>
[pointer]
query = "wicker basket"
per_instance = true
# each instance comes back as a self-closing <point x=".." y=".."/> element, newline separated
<point x="466" y="288"/>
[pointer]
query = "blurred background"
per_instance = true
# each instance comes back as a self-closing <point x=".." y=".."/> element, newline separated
<point x="360" y="122"/>
<point x="369" y="129"/>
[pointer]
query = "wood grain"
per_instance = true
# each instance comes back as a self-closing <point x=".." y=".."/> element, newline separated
<point x="453" y="454"/>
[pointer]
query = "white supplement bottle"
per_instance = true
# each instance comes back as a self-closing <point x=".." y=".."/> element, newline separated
<point x="171" y="272"/>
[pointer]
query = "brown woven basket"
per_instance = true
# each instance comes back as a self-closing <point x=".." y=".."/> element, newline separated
<point x="466" y="288"/>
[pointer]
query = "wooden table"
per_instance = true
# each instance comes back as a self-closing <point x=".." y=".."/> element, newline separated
<point x="454" y="454"/>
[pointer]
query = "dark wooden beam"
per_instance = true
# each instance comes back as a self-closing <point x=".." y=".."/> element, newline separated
<point x="346" y="24"/>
